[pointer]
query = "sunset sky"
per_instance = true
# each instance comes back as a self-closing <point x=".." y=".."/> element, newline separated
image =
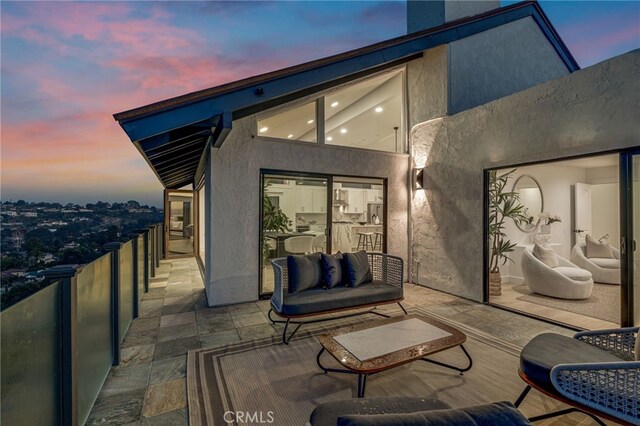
<point x="67" y="67"/>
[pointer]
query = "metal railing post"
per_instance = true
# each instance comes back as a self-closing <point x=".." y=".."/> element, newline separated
<point x="136" y="274"/>
<point x="114" y="248"/>
<point x="68" y="317"/>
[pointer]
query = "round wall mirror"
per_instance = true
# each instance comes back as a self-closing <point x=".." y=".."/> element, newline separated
<point x="530" y="194"/>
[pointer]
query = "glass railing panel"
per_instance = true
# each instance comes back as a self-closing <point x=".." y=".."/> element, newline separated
<point x="95" y="355"/>
<point x="126" y="288"/>
<point x="30" y="359"/>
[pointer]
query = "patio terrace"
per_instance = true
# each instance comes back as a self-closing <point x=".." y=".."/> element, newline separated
<point x="149" y="385"/>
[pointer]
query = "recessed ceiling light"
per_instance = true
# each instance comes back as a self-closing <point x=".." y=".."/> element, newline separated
<point x="263" y="129"/>
<point x="379" y="109"/>
<point x="310" y="122"/>
<point x="289" y="137"/>
<point x="335" y="104"/>
<point x="329" y="138"/>
<point x="343" y="130"/>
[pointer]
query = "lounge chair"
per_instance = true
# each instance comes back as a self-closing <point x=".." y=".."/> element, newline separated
<point x="604" y="270"/>
<point x="567" y="281"/>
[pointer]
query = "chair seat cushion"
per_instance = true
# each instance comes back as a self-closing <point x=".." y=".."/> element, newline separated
<point x="547" y="350"/>
<point x="605" y="262"/>
<point x="576" y="274"/>
<point x="317" y="300"/>
<point x="327" y="414"/>
<point x="497" y="414"/>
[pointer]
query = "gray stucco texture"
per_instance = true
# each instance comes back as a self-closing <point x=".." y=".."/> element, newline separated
<point x="319" y="299"/>
<point x="547" y="350"/>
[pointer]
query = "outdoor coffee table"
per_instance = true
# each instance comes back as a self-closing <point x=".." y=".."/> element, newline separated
<point x="380" y="345"/>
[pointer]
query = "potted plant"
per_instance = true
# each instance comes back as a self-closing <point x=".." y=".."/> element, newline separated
<point x="273" y="220"/>
<point x="503" y="205"/>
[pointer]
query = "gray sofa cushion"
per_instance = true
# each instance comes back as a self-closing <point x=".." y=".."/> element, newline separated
<point x="547" y="350"/>
<point x="331" y="269"/>
<point x="357" y="269"/>
<point x="497" y="414"/>
<point x="318" y="299"/>
<point x="304" y="271"/>
<point x="327" y="414"/>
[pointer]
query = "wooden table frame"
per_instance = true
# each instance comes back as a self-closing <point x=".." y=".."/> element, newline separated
<point x="391" y="360"/>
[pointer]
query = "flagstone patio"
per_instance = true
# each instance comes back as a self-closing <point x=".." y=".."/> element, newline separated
<point x="149" y="385"/>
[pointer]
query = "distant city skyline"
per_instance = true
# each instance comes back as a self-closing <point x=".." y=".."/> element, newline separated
<point x="68" y="66"/>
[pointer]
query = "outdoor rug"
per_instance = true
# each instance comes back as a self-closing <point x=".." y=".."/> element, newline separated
<point x="604" y="302"/>
<point x="282" y="383"/>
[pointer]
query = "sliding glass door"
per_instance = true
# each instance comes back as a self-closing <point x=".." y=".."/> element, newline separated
<point x="630" y="236"/>
<point x="179" y="223"/>
<point x="295" y="219"/>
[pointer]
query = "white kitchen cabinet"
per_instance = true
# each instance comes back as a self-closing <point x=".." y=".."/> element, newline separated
<point x="319" y="200"/>
<point x="304" y="200"/>
<point x="357" y="201"/>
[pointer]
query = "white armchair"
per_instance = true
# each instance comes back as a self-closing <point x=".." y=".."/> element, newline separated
<point x="566" y="281"/>
<point x="604" y="270"/>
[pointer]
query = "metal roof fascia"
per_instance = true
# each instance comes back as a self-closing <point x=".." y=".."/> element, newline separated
<point x="183" y="115"/>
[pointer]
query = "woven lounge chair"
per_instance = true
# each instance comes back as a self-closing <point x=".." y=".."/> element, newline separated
<point x="595" y="372"/>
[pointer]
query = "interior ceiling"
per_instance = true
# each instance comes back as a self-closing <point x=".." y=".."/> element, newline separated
<point x="355" y="111"/>
<point x="592" y="162"/>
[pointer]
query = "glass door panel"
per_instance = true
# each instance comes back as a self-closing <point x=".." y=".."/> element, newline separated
<point x="294" y="220"/>
<point x="358" y="212"/>
<point x="635" y="219"/>
<point x="179" y="223"/>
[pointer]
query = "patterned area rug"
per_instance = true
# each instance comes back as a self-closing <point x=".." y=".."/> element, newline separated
<point x="283" y="383"/>
<point x="604" y="302"/>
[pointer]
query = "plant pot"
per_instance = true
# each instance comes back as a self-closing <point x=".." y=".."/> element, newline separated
<point x="495" y="284"/>
<point x="545" y="229"/>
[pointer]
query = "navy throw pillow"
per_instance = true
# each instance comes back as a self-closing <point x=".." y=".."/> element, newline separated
<point x="304" y="272"/>
<point x="331" y="269"/>
<point x="357" y="268"/>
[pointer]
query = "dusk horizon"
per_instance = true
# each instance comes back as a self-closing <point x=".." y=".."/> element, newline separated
<point x="68" y="67"/>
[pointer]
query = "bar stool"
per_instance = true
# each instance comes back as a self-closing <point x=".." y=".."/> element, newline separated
<point x="377" y="242"/>
<point x="365" y="240"/>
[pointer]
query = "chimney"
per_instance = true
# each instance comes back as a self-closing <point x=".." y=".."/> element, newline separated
<point x="422" y="14"/>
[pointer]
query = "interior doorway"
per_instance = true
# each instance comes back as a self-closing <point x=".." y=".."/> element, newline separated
<point x="180" y="207"/>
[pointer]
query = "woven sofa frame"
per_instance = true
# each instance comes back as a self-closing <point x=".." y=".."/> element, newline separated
<point x="384" y="267"/>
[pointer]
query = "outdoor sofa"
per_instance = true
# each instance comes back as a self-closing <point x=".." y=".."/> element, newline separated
<point x="310" y="285"/>
<point x="413" y="411"/>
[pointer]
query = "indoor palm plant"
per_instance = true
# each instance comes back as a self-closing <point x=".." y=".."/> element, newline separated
<point x="273" y="220"/>
<point x="503" y="205"/>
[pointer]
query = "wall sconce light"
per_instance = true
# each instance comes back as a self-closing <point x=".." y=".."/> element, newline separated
<point x="418" y="178"/>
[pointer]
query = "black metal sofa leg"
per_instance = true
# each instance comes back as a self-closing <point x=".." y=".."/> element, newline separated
<point x="403" y="309"/>
<point x="286" y="340"/>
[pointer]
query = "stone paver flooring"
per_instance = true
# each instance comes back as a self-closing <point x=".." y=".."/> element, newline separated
<point x="149" y="386"/>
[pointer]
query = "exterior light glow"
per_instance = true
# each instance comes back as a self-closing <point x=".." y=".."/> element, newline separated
<point x="343" y="130"/>
<point x="335" y="104"/>
<point x="289" y="137"/>
<point x="329" y="138"/>
<point x="263" y="129"/>
<point x="379" y="109"/>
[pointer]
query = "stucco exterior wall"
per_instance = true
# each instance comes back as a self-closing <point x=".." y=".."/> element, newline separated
<point x="235" y="200"/>
<point x="499" y="62"/>
<point x="427" y="85"/>
<point x="589" y="111"/>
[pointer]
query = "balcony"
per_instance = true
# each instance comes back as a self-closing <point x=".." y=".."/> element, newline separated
<point x="144" y="381"/>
